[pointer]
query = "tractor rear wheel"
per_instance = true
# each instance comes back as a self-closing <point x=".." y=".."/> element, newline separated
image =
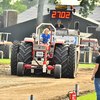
<point x="14" y="57"/>
<point x="25" y="55"/>
<point x="6" y="48"/>
<point x="57" y="55"/>
<point x="57" y="73"/>
<point x="72" y="61"/>
<point x="20" y="71"/>
<point x="64" y="60"/>
<point x="7" y="51"/>
<point x="61" y="57"/>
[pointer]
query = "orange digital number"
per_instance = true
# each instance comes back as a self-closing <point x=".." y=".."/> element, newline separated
<point x="53" y="14"/>
<point x="59" y="12"/>
<point x="63" y="14"/>
<point x="67" y="15"/>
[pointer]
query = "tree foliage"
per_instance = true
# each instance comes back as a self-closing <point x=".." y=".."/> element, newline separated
<point x="1" y="11"/>
<point x="19" y="6"/>
<point x="5" y="4"/>
<point x="8" y="4"/>
<point x="87" y="6"/>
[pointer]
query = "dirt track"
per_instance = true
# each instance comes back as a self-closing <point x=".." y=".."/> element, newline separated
<point x="42" y="87"/>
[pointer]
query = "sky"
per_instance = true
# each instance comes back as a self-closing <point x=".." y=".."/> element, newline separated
<point x="70" y="2"/>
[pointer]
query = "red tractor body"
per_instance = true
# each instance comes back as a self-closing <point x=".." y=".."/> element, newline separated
<point x="42" y="55"/>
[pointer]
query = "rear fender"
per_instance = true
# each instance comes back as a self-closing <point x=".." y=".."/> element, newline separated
<point x="29" y="40"/>
<point x="59" y="42"/>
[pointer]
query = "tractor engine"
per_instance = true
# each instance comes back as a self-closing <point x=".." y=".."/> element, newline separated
<point x="40" y="54"/>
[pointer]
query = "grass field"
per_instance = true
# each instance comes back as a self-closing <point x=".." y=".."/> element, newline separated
<point x="91" y="96"/>
<point x="80" y="65"/>
<point x="87" y="65"/>
<point x="6" y="61"/>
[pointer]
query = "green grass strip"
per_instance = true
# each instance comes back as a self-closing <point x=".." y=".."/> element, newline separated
<point x="80" y="65"/>
<point x="91" y="96"/>
<point x="87" y="65"/>
<point x="5" y="61"/>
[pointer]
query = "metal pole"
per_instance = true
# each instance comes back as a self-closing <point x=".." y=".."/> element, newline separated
<point x="38" y="36"/>
<point x="6" y="37"/>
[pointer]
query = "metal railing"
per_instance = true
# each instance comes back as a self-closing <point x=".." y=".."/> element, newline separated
<point x="88" y="56"/>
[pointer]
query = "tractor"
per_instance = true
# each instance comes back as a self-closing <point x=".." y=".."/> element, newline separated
<point x="60" y="57"/>
<point x="5" y="45"/>
<point x="91" y="43"/>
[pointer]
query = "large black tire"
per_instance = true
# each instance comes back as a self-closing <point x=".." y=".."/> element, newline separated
<point x="25" y="55"/>
<point x="61" y="57"/>
<point x="72" y="61"/>
<point x="6" y="48"/>
<point x="64" y="60"/>
<point x="20" y="71"/>
<point x="14" y="57"/>
<point x="57" y="55"/>
<point x="7" y="51"/>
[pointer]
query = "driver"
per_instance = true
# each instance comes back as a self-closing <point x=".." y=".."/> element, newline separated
<point x="45" y="37"/>
<point x="59" y="25"/>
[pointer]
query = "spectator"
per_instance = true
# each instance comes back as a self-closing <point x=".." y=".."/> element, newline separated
<point x="96" y="76"/>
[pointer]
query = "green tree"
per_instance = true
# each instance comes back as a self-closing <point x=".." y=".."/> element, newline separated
<point x="1" y="11"/>
<point x="87" y="6"/>
<point x="5" y="4"/>
<point x="8" y="4"/>
<point x="19" y="6"/>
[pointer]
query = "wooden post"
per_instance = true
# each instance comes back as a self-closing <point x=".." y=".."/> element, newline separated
<point x="76" y="91"/>
<point x="31" y="97"/>
<point x="76" y="88"/>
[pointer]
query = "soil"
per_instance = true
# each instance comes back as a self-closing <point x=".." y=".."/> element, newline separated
<point x="42" y="87"/>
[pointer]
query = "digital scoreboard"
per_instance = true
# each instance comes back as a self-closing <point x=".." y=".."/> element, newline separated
<point x="60" y="14"/>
